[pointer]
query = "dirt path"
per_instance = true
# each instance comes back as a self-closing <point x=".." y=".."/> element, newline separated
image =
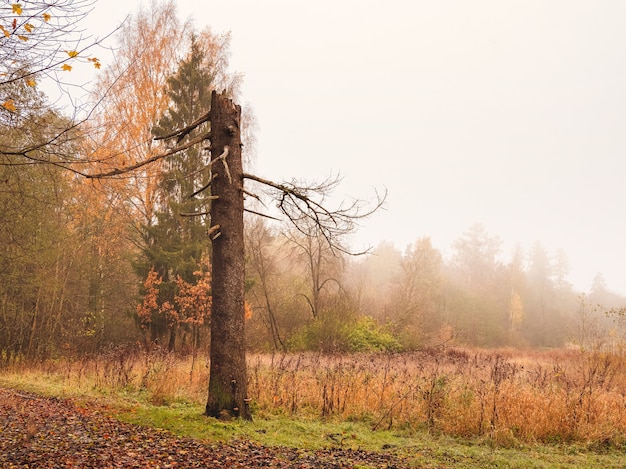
<point x="41" y="432"/>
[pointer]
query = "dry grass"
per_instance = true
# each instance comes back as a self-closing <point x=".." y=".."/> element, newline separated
<point x="504" y="396"/>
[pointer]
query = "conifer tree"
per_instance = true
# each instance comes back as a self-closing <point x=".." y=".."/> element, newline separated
<point x="176" y="240"/>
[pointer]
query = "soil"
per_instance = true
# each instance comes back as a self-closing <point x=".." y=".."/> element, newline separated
<point x="47" y="432"/>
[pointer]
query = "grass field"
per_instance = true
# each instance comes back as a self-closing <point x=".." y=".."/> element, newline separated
<point x="438" y="408"/>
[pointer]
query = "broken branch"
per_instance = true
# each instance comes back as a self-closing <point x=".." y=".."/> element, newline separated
<point x="181" y="133"/>
<point x="118" y="171"/>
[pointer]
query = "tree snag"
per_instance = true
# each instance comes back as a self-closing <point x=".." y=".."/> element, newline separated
<point x="228" y="375"/>
<point x="301" y="204"/>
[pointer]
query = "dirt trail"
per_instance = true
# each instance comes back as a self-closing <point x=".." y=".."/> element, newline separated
<point x="42" y="432"/>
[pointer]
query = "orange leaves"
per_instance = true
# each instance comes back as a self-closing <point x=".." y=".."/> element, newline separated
<point x="95" y="61"/>
<point x="9" y="105"/>
<point x="31" y="22"/>
<point x="191" y="304"/>
<point x="74" y="54"/>
<point x="150" y="303"/>
<point x="247" y="311"/>
<point x="194" y="301"/>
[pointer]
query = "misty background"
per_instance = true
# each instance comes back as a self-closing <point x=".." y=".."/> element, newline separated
<point x="507" y="114"/>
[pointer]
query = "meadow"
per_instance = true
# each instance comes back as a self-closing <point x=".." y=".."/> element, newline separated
<point x="506" y="397"/>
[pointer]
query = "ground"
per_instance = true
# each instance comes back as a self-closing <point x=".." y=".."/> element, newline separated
<point x="42" y="432"/>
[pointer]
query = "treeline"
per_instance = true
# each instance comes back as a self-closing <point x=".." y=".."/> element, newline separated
<point x="90" y="263"/>
<point x="306" y="297"/>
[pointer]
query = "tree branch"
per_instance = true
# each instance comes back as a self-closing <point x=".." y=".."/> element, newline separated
<point x="303" y="205"/>
<point x="181" y="133"/>
<point x="193" y="214"/>
<point x="264" y="215"/>
<point x="118" y="171"/>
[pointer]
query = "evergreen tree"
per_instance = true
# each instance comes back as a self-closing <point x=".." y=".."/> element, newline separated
<point x="174" y="241"/>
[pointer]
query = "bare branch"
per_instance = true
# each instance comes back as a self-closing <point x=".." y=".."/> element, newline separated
<point x="202" y="189"/>
<point x="254" y="196"/>
<point x="181" y="133"/>
<point x="193" y="214"/>
<point x="118" y="171"/>
<point x="304" y="207"/>
<point x="264" y="215"/>
<point x="222" y="157"/>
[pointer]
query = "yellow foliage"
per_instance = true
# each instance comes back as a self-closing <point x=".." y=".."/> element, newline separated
<point x="66" y="68"/>
<point x="46" y="17"/>
<point x="5" y="31"/>
<point x="9" y="105"/>
<point x="23" y="38"/>
<point x="29" y="27"/>
<point x="17" y="8"/>
<point x="31" y="82"/>
<point x="72" y="53"/>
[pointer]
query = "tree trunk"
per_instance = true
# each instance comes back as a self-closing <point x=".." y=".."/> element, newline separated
<point x="228" y="380"/>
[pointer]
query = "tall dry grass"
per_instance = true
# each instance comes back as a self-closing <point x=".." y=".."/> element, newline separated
<point x="505" y="395"/>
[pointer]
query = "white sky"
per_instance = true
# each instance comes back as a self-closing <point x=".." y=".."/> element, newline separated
<point x="507" y="113"/>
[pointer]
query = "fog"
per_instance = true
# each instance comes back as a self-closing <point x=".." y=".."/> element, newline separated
<point x="508" y="114"/>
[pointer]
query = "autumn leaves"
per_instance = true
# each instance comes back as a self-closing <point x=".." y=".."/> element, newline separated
<point x="36" y="39"/>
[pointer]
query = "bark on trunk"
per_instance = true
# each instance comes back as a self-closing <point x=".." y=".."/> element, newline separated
<point x="228" y="375"/>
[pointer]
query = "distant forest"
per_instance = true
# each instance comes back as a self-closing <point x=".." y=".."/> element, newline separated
<point x="90" y="263"/>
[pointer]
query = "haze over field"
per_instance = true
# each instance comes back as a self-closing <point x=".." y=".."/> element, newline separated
<point x="508" y="114"/>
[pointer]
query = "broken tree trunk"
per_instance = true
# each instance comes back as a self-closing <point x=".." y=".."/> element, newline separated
<point x="228" y="374"/>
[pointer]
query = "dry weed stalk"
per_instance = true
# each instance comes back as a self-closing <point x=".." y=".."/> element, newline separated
<point x="504" y="395"/>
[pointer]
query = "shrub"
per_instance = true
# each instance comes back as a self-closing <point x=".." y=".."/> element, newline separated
<point x="325" y="334"/>
<point x="366" y="335"/>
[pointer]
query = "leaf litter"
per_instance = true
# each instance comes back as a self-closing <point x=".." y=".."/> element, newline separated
<point x="49" y="432"/>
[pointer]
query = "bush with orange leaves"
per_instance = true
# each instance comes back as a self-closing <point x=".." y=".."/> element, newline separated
<point x="191" y="304"/>
<point x="192" y="301"/>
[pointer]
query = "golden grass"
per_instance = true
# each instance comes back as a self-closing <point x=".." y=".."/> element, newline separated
<point x="505" y="396"/>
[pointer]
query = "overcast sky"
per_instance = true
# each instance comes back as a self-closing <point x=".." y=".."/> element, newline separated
<point x="507" y="113"/>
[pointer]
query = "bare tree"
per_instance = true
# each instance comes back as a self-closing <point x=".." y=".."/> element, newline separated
<point x="322" y="265"/>
<point x="264" y="267"/>
<point x="41" y="40"/>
